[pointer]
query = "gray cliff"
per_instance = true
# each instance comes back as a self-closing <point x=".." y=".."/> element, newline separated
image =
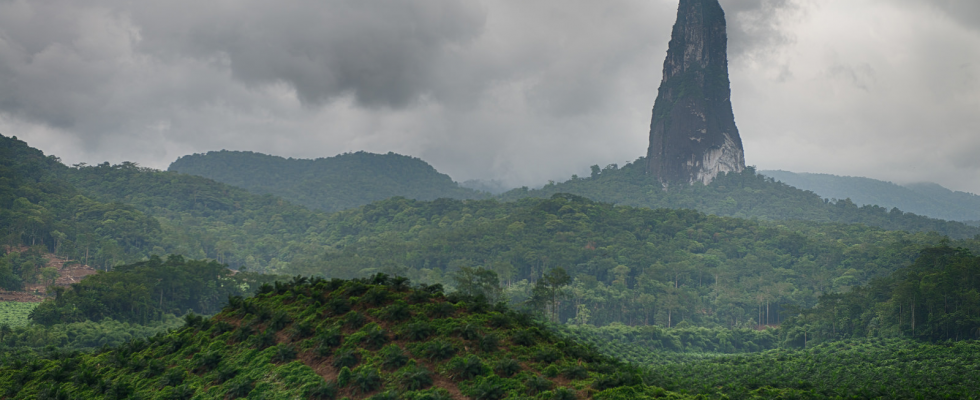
<point x="693" y="135"/>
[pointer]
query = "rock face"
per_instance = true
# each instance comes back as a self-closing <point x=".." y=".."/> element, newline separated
<point x="693" y="135"/>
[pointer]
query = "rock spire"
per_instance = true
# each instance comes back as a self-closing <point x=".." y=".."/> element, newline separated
<point x="693" y="135"/>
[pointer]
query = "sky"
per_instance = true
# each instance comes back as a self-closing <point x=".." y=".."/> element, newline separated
<point x="511" y="90"/>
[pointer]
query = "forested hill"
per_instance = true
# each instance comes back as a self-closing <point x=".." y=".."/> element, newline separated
<point x="742" y="195"/>
<point x="928" y="199"/>
<point x="330" y="184"/>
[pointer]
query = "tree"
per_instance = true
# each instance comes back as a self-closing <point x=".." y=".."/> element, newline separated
<point x="549" y="290"/>
<point x="478" y="282"/>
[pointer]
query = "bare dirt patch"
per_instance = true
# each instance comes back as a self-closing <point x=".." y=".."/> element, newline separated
<point x="68" y="273"/>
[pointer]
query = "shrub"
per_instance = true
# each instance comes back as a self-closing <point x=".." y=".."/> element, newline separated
<point x="488" y="343"/>
<point x="354" y="320"/>
<point x="338" y="306"/>
<point x="204" y="362"/>
<point x="488" y="389"/>
<point x="346" y="358"/>
<point x="575" y="372"/>
<point x="415" y="378"/>
<point x="225" y="374"/>
<point x="396" y="312"/>
<point x="264" y="340"/>
<point x="551" y="371"/>
<point x="375" y="337"/>
<point x="375" y="297"/>
<point x="499" y="321"/>
<point x="547" y="355"/>
<point x="563" y="394"/>
<point x="321" y="391"/>
<point x="388" y="395"/>
<point x="418" y="296"/>
<point x="329" y="338"/>
<point x="284" y="352"/>
<point x="438" y="350"/>
<point x="466" y="368"/>
<point x="240" y="388"/>
<point x="507" y="367"/>
<point x="418" y="331"/>
<point x="393" y="357"/>
<point x="440" y="310"/>
<point x="279" y="320"/>
<point x="302" y="330"/>
<point x="536" y="384"/>
<point x="366" y="380"/>
<point x="173" y="377"/>
<point x="523" y="338"/>
<point x="242" y="334"/>
<point x="467" y="331"/>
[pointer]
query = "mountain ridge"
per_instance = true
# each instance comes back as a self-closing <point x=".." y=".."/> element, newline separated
<point x="923" y="198"/>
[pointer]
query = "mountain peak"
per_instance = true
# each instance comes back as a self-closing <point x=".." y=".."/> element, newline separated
<point x="693" y="136"/>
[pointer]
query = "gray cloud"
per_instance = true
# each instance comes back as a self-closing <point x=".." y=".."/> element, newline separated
<point x="510" y="90"/>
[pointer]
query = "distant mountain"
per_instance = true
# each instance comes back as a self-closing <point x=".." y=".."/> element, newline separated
<point x="330" y="184"/>
<point x="928" y="199"/>
<point x="741" y="195"/>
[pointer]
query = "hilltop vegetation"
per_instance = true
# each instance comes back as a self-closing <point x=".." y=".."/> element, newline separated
<point x="627" y="265"/>
<point x="927" y="199"/>
<point x="740" y="195"/>
<point x="331" y="184"/>
<point x="373" y="338"/>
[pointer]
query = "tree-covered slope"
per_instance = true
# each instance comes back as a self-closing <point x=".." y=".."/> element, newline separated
<point x="330" y="184"/>
<point x="374" y="338"/>
<point x="742" y="195"/>
<point x="927" y="199"/>
<point x="39" y="208"/>
<point x="629" y="265"/>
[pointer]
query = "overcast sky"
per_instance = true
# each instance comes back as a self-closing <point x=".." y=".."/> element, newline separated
<point x="515" y="90"/>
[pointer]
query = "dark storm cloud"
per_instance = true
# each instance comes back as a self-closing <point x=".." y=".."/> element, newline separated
<point x="520" y="91"/>
<point x="384" y="52"/>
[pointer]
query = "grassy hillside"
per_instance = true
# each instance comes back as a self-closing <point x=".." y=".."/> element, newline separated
<point x="743" y="195"/>
<point x="375" y="338"/>
<point x="927" y="199"/>
<point x="330" y="184"/>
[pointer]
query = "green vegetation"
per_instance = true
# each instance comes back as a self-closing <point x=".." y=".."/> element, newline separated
<point x="38" y="208"/>
<point x="14" y="314"/>
<point x="627" y="265"/>
<point x="926" y="199"/>
<point x="866" y="369"/>
<point x="649" y="345"/>
<point x="742" y="195"/>
<point x="86" y="335"/>
<point x="935" y="298"/>
<point x="147" y="291"/>
<point x="286" y="343"/>
<point x="331" y="184"/>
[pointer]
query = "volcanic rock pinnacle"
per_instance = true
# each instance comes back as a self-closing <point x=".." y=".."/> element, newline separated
<point x="693" y="135"/>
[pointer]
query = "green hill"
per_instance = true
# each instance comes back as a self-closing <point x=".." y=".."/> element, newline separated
<point x="742" y="195"/>
<point x="330" y="184"/>
<point x="927" y="199"/>
<point x="376" y="338"/>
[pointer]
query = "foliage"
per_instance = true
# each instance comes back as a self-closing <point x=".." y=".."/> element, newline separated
<point x="935" y="298"/>
<point x="874" y="368"/>
<point x="331" y="184"/>
<point x="205" y="360"/>
<point x="145" y="291"/>
<point x="741" y="195"/>
<point x="14" y="314"/>
<point x="626" y="265"/>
